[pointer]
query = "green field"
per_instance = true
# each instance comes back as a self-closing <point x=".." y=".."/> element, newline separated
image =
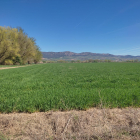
<point x="69" y="86"/>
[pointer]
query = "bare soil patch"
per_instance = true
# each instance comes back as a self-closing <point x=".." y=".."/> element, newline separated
<point x="12" y="67"/>
<point x="93" y="124"/>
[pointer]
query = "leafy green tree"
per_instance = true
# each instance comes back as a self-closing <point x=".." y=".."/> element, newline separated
<point x="38" y="55"/>
<point x="17" y="47"/>
<point x="17" y="60"/>
<point x="27" y="48"/>
<point x="9" y="47"/>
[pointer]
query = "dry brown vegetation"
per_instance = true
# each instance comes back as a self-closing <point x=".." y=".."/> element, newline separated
<point x="93" y="124"/>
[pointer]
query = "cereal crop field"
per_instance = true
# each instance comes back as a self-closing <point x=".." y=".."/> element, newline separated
<point x="67" y="86"/>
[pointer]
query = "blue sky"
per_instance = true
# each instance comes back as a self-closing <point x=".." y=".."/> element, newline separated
<point x="98" y="26"/>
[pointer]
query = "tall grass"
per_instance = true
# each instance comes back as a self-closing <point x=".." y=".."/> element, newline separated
<point x="69" y="86"/>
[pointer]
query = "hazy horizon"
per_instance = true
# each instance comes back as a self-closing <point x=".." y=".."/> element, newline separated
<point x="88" y="52"/>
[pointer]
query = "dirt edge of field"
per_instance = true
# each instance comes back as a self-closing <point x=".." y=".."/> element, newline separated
<point x="93" y="124"/>
<point x="2" y="68"/>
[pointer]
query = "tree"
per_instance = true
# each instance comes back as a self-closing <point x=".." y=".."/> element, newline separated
<point x="38" y="55"/>
<point x="27" y="48"/>
<point x="9" y="47"/>
<point x="17" y="47"/>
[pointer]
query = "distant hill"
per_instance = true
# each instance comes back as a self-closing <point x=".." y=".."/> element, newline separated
<point x="67" y="55"/>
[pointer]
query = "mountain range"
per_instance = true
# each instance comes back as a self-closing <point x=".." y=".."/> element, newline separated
<point x="67" y="55"/>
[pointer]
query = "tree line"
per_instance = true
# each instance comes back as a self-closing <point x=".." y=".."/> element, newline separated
<point x="76" y="61"/>
<point x="17" y="48"/>
<point x="88" y="61"/>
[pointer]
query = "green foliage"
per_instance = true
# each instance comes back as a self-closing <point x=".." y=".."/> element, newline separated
<point x="61" y="61"/>
<point x="136" y="60"/>
<point x="44" y="61"/>
<point x="16" y="46"/>
<point x="8" y="62"/>
<point x="9" y="47"/>
<point x="38" y="55"/>
<point x="64" y="86"/>
<point x="17" y="60"/>
<point x="72" y="61"/>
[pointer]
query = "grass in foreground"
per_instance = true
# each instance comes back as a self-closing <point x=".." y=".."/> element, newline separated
<point x="69" y="86"/>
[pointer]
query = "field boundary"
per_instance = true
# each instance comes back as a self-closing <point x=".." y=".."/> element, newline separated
<point x="94" y="123"/>
<point x="13" y="67"/>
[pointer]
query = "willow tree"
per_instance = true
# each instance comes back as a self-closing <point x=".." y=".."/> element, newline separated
<point x="17" y="47"/>
<point x="9" y="46"/>
<point x="38" y="55"/>
<point x="27" y="48"/>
